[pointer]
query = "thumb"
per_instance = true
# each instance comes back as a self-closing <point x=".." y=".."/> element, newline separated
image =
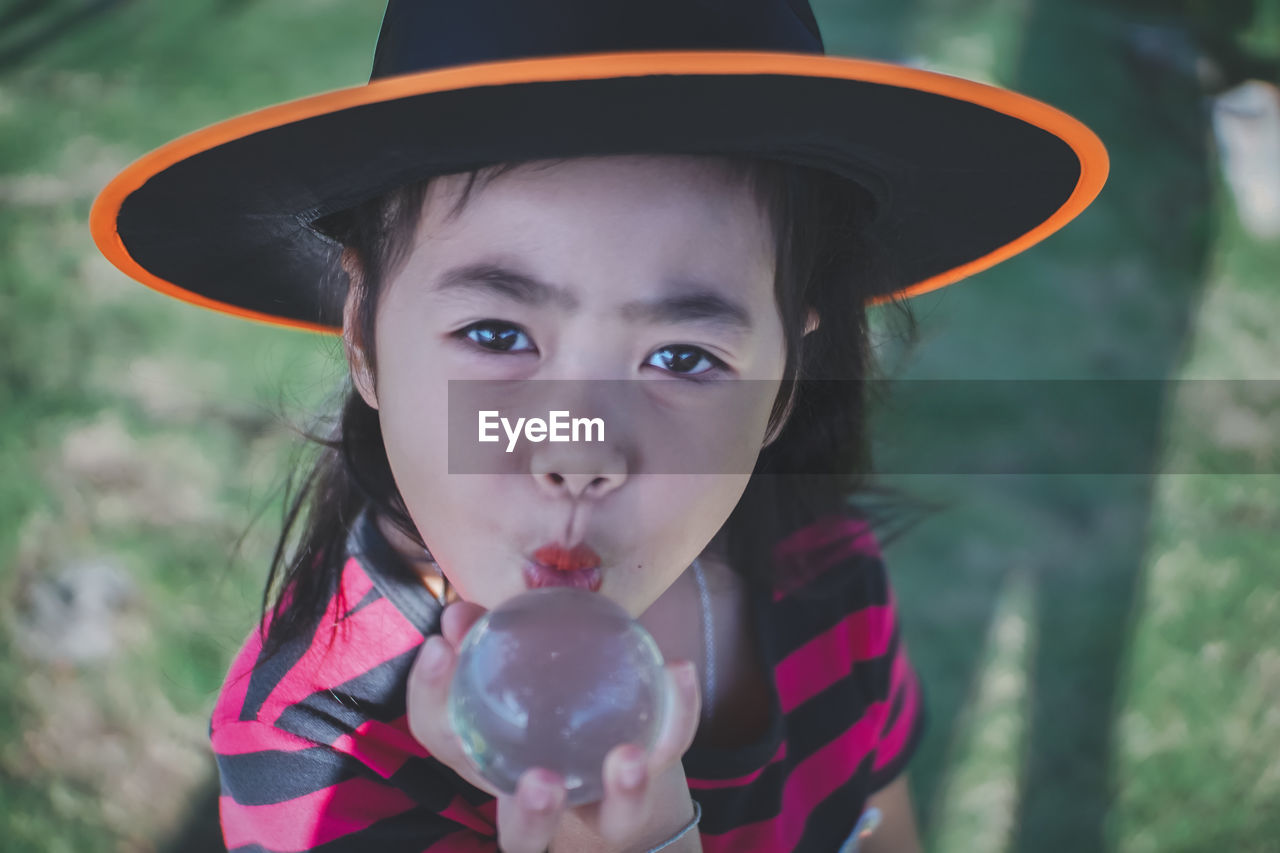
<point x="457" y="619"/>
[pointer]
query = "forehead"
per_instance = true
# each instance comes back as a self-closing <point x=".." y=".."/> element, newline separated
<point x="685" y="207"/>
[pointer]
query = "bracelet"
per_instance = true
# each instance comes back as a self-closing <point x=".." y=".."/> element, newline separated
<point x="697" y="816"/>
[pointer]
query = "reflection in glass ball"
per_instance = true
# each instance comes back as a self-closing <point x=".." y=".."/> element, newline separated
<point x="556" y="678"/>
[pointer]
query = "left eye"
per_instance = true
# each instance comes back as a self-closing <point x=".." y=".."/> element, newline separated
<point x="496" y="336"/>
<point x="683" y="360"/>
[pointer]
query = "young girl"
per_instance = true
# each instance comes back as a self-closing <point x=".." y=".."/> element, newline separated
<point x="688" y="199"/>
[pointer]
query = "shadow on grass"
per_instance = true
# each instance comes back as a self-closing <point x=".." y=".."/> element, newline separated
<point x="200" y="832"/>
<point x="39" y="24"/>
<point x="1111" y="296"/>
<point x="1152" y="115"/>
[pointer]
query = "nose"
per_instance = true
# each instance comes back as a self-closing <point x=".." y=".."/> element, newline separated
<point x="577" y="471"/>
<point x="595" y="461"/>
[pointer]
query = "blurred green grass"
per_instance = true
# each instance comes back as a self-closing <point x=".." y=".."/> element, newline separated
<point x="1099" y="653"/>
<point x="171" y="409"/>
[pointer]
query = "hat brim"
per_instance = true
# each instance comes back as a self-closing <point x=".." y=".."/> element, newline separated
<point x="965" y="175"/>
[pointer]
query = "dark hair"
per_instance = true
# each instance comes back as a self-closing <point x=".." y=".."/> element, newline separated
<point x="818" y="465"/>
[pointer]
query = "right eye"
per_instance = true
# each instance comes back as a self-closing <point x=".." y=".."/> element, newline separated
<point x="496" y="336"/>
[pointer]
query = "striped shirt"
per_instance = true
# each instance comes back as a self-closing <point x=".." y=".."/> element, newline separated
<point x="314" y="749"/>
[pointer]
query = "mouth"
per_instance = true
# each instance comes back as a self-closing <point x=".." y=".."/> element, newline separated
<point x="537" y="576"/>
<point x="553" y="565"/>
<point x="580" y="556"/>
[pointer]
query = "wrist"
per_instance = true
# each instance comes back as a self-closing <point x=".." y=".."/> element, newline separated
<point x="574" y="835"/>
<point x="685" y="839"/>
<point x="671" y="813"/>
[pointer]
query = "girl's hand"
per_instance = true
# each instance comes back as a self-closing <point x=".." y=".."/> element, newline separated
<point x="630" y="816"/>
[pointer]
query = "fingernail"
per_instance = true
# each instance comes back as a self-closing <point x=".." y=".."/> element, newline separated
<point x="687" y="675"/>
<point x="631" y="774"/>
<point x="538" y="798"/>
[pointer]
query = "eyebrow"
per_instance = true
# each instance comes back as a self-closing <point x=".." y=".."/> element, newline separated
<point x="501" y="281"/>
<point x="694" y="303"/>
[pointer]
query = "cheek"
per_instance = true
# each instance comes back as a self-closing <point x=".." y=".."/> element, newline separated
<point x="693" y="508"/>
<point x="453" y="513"/>
<point x="413" y="416"/>
<point x="418" y="458"/>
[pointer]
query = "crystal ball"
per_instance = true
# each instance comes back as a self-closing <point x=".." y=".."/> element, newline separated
<point x="556" y="677"/>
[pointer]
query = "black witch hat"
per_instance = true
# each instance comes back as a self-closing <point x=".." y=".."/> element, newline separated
<point x="963" y="174"/>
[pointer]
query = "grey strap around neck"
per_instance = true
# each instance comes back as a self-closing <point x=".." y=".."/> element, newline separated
<point x="708" y="641"/>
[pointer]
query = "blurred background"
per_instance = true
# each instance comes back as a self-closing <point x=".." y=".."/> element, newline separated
<point x="1100" y="651"/>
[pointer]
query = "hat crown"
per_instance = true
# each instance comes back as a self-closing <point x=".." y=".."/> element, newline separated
<point x="422" y="35"/>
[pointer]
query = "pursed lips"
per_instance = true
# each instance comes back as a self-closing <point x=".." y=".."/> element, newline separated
<point x="580" y="556"/>
<point x="555" y="565"/>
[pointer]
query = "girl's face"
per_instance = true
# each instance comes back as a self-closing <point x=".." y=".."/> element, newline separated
<point x="571" y="271"/>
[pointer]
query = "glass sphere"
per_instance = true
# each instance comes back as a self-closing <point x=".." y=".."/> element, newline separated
<point x="556" y="677"/>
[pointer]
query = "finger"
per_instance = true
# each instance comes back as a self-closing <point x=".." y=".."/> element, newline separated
<point x="432" y="674"/>
<point x="684" y="710"/>
<point x="427" y="692"/>
<point x="427" y="704"/>
<point x="456" y="620"/>
<point x="625" y="808"/>
<point x="527" y="820"/>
